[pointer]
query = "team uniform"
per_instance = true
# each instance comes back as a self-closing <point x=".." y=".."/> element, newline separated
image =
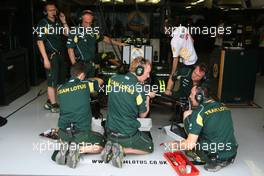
<point x="261" y="51"/>
<point x="184" y="75"/>
<point x="213" y="123"/>
<point x="123" y="109"/>
<point x="75" y="109"/>
<point x="84" y="46"/>
<point x="182" y="46"/>
<point x="55" y="48"/>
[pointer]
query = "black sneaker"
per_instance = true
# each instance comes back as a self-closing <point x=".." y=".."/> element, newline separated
<point x="61" y="155"/>
<point x="55" y="108"/>
<point x="216" y="166"/>
<point x="107" y="153"/>
<point x="118" y="155"/>
<point x="74" y="155"/>
<point x="47" y="105"/>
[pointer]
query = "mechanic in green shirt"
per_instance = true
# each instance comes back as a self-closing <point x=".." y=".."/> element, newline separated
<point x="126" y="102"/>
<point x="189" y="77"/>
<point x="82" y="42"/>
<point x="50" y="41"/>
<point x="76" y="118"/>
<point x="210" y="131"/>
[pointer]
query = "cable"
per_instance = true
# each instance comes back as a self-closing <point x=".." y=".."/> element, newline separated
<point x="40" y="93"/>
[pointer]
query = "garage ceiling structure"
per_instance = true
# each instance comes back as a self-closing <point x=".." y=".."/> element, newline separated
<point x="240" y="4"/>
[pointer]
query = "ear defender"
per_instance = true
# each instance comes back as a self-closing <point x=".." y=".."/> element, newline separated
<point x="45" y="13"/>
<point x="199" y="97"/>
<point x="140" y="69"/>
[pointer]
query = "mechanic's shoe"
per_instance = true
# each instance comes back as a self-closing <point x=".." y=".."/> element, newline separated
<point x="217" y="165"/>
<point x="210" y="167"/>
<point x="107" y="153"/>
<point x="61" y="155"/>
<point x="47" y="105"/>
<point x="55" y="108"/>
<point x="74" y="155"/>
<point x="118" y="155"/>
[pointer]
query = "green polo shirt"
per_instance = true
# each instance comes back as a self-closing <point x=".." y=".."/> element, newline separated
<point x="125" y="101"/>
<point x="84" y="41"/>
<point x="74" y="97"/>
<point x="51" y="33"/>
<point x="184" y="75"/>
<point x="213" y="123"/>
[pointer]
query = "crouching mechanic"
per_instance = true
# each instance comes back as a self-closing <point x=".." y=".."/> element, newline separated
<point x="189" y="77"/>
<point x="126" y="102"/>
<point x="76" y="118"/>
<point x="210" y="131"/>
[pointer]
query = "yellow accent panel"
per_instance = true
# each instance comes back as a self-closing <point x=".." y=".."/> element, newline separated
<point x="46" y="30"/>
<point x="97" y="36"/>
<point x="139" y="100"/>
<point x="91" y="87"/>
<point x="199" y="120"/>
<point x="162" y="85"/>
<point x="104" y="55"/>
<point x="75" y="39"/>
<point x="108" y="85"/>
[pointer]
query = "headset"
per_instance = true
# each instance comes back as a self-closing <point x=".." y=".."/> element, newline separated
<point x="45" y="13"/>
<point x="139" y="71"/>
<point x="200" y="94"/>
<point x="84" y="12"/>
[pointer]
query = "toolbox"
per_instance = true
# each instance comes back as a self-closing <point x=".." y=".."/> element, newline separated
<point x="181" y="164"/>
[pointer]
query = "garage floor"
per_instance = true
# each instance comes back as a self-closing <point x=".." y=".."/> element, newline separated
<point x="21" y="155"/>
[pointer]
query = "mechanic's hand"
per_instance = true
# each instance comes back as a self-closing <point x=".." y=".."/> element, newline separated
<point x="122" y="44"/>
<point x="152" y="94"/>
<point x="187" y="113"/>
<point x="97" y="66"/>
<point x="62" y="17"/>
<point x="168" y="92"/>
<point x="171" y="145"/>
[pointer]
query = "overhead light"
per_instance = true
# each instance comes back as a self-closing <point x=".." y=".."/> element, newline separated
<point x="119" y="1"/>
<point x="188" y="7"/>
<point x="104" y="1"/>
<point x="140" y="1"/>
<point x="197" y="2"/>
<point x="154" y="1"/>
<point x="234" y="9"/>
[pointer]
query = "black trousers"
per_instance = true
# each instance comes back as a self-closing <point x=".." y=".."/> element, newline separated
<point x="261" y="60"/>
